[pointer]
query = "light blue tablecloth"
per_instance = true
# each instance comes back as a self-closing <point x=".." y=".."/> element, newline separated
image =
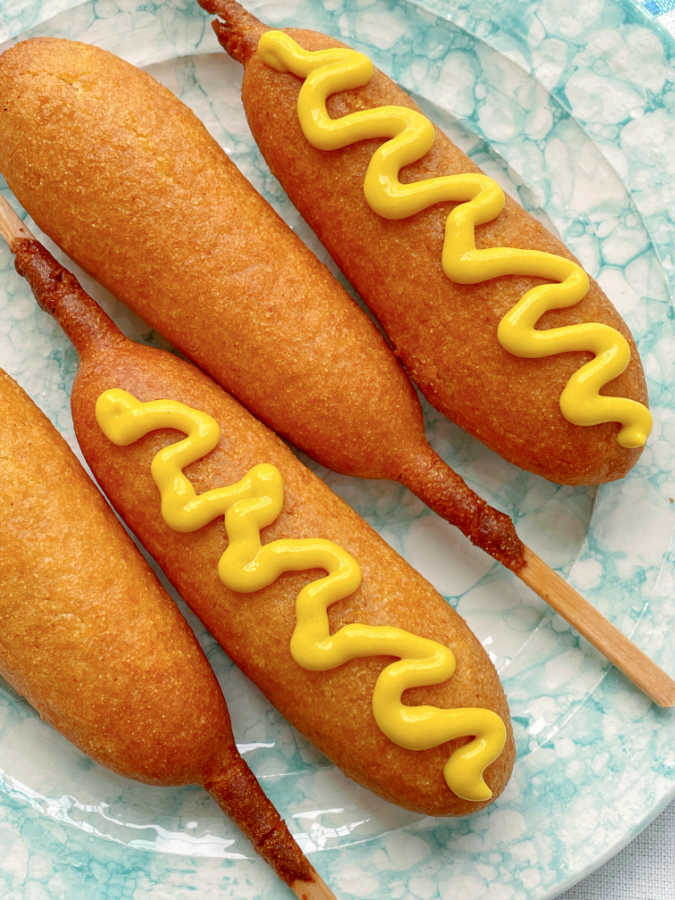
<point x="645" y="869"/>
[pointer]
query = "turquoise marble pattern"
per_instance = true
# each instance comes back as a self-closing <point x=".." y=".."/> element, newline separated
<point x="573" y="113"/>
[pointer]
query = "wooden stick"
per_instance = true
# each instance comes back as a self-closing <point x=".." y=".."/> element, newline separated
<point x="239" y="794"/>
<point x="312" y="890"/>
<point x="11" y="227"/>
<point x="635" y="665"/>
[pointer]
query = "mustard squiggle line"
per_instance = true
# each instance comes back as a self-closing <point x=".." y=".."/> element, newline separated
<point x="246" y="565"/>
<point x="480" y="200"/>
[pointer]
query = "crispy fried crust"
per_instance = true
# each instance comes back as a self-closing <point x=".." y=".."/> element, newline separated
<point x="93" y="642"/>
<point x="332" y="708"/>
<point x="129" y="183"/>
<point x="87" y="634"/>
<point x="445" y="333"/>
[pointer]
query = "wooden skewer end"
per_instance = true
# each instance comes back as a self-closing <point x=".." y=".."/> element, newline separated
<point x="12" y="228"/>
<point x="598" y="630"/>
<point x="312" y="890"/>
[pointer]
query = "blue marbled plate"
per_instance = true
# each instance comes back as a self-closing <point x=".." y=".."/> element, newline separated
<point x="572" y="113"/>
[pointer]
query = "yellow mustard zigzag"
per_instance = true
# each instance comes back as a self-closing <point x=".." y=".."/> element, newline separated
<point x="481" y="200"/>
<point x="247" y="565"/>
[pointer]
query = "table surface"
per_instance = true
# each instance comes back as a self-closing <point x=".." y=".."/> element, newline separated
<point x="644" y="870"/>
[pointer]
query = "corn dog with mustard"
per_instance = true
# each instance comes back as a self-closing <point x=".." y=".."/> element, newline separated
<point x="354" y="647"/>
<point x="493" y="318"/>
<point x="94" y="643"/>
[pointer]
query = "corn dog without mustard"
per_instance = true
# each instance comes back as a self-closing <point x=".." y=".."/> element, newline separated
<point x="337" y="684"/>
<point x="443" y="320"/>
<point x="125" y="178"/>
<point x="94" y="643"/>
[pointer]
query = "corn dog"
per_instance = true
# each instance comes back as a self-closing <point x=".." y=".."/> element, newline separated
<point x="125" y="178"/>
<point x="474" y="354"/>
<point x="321" y="649"/>
<point x="94" y="643"/>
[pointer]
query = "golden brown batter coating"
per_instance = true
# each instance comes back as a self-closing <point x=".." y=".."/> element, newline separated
<point x="445" y="333"/>
<point x="89" y="637"/>
<point x="125" y="178"/>
<point x="334" y="708"/>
